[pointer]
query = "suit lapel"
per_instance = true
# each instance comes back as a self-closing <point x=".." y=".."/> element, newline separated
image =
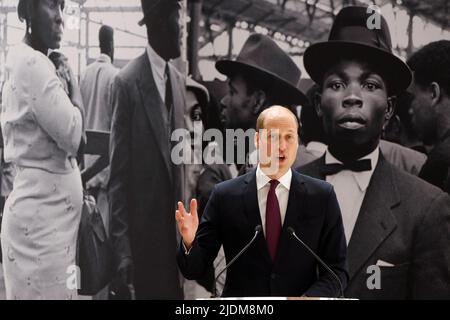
<point x="152" y="104"/>
<point x="312" y="169"/>
<point x="179" y="98"/>
<point x="375" y="220"/>
<point x="250" y="199"/>
<point x="178" y="87"/>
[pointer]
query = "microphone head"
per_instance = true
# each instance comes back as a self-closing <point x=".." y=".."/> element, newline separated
<point x="291" y="230"/>
<point x="258" y="228"/>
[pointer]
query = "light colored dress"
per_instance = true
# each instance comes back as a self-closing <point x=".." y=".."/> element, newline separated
<point x="42" y="132"/>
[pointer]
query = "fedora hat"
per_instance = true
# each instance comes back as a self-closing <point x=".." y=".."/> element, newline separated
<point x="351" y="37"/>
<point x="262" y="57"/>
<point x="149" y="5"/>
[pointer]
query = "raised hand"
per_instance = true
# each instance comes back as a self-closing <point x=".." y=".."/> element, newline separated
<point x="187" y="222"/>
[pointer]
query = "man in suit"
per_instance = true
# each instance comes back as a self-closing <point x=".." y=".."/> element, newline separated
<point x="144" y="184"/>
<point x="96" y="91"/>
<point x="261" y="75"/>
<point x="397" y="226"/>
<point x="276" y="198"/>
<point x="430" y="95"/>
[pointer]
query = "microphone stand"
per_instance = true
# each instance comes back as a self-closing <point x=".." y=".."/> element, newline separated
<point x="258" y="229"/>
<point x="293" y="234"/>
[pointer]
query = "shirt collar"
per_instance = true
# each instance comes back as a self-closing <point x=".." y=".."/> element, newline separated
<point x="104" y="58"/>
<point x="158" y="64"/>
<point x="262" y="179"/>
<point x="316" y="146"/>
<point x="362" y="178"/>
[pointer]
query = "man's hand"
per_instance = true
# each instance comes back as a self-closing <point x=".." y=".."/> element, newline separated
<point x="125" y="271"/>
<point x="119" y="287"/>
<point x="187" y="223"/>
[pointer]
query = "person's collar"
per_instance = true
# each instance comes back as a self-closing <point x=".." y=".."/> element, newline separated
<point x="104" y="58"/>
<point x="157" y="63"/>
<point x="362" y="178"/>
<point x="262" y="179"/>
<point x="316" y="146"/>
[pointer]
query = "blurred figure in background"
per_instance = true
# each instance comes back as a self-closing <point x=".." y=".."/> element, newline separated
<point x="430" y="106"/>
<point x="42" y="128"/>
<point x="96" y="91"/>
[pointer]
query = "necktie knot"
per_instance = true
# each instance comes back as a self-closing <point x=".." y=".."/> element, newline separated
<point x="274" y="184"/>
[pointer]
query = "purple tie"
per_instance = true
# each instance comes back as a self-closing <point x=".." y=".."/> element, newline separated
<point x="273" y="220"/>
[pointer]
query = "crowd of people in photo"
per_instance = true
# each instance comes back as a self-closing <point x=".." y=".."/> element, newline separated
<point x="362" y="177"/>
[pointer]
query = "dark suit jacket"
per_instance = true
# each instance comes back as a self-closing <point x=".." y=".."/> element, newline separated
<point x="230" y="219"/>
<point x="403" y="221"/>
<point x="144" y="185"/>
<point x="436" y="169"/>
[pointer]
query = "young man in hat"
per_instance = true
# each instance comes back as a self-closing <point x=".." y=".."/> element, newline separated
<point x="430" y="94"/>
<point x="397" y="226"/>
<point x="144" y="184"/>
<point x="265" y="204"/>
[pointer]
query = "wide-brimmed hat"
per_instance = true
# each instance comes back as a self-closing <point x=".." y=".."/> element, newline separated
<point x="262" y="57"/>
<point x="149" y="5"/>
<point x="355" y="33"/>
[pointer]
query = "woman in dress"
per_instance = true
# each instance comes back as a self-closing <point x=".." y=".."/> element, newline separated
<point x="42" y="129"/>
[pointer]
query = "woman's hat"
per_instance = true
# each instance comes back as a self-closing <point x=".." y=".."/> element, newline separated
<point x="351" y="36"/>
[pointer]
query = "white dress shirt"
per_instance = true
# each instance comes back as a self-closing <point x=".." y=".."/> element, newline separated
<point x="158" y="66"/>
<point x="282" y="192"/>
<point x="316" y="148"/>
<point x="350" y="188"/>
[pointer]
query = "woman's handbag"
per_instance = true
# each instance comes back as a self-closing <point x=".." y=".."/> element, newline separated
<point x="94" y="251"/>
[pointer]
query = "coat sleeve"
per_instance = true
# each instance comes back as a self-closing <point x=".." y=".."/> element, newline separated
<point x="333" y="251"/>
<point x="206" y="244"/>
<point x="51" y="106"/>
<point x="118" y="186"/>
<point x="430" y="270"/>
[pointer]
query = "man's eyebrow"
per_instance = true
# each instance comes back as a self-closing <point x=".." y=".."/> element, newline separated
<point x="338" y="73"/>
<point x="368" y="74"/>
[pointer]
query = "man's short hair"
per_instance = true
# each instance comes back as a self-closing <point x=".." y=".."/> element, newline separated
<point x="432" y="64"/>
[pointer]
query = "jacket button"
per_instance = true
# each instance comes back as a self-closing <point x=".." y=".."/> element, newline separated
<point x="273" y="276"/>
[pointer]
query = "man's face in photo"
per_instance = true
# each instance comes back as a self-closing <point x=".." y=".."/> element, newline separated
<point x="163" y="22"/>
<point x="354" y="104"/>
<point x="238" y="105"/>
<point x="423" y="116"/>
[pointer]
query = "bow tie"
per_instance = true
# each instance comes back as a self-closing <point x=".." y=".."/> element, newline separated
<point x="356" y="166"/>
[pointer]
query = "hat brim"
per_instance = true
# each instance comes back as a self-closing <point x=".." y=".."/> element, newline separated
<point x="284" y="90"/>
<point x="320" y="57"/>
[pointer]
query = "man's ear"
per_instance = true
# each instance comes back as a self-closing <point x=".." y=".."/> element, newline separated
<point x="436" y="93"/>
<point x="259" y="97"/>
<point x="256" y="140"/>
<point x="317" y="103"/>
<point x="391" y="105"/>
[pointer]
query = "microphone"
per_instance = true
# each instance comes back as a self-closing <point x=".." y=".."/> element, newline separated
<point x="292" y="233"/>
<point x="258" y="229"/>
